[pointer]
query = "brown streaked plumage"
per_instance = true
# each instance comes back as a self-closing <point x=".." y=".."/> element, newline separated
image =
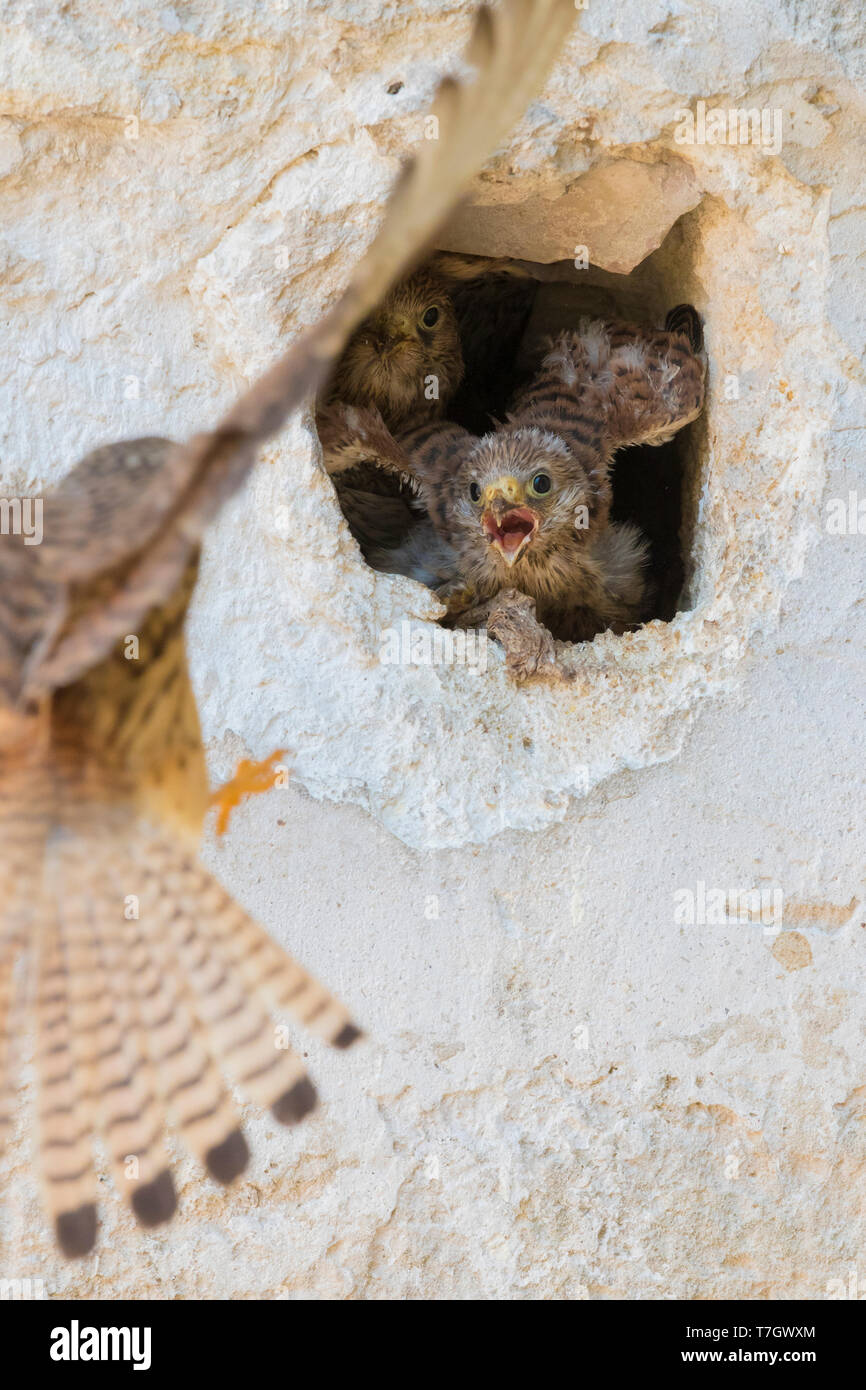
<point x="152" y="985"/>
<point x="411" y="371"/>
<point x="405" y="359"/>
<point x="599" y="389"/>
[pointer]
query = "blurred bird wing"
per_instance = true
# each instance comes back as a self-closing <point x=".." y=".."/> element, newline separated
<point x="112" y="503"/>
<point x="149" y="521"/>
<point x="513" y="47"/>
<point x="31" y="606"/>
<point x="119" y="533"/>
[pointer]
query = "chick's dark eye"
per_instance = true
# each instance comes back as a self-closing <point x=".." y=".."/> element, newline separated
<point x="474" y="491"/>
<point x="430" y="317"/>
<point x="541" y="484"/>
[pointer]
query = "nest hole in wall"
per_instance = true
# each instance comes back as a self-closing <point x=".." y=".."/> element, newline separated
<point x="506" y="315"/>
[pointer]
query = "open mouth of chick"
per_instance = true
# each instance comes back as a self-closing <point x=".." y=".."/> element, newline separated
<point x="511" y="532"/>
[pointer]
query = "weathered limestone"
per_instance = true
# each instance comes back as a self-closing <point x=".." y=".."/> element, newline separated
<point x="569" y="1091"/>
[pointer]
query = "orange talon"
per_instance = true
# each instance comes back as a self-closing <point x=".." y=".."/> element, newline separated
<point x="250" y="779"/>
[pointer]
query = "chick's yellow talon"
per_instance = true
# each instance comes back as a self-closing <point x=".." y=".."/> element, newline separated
<point x="250" y="779"/>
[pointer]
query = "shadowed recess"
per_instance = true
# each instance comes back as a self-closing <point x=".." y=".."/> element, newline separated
<point x="506" y="316"/>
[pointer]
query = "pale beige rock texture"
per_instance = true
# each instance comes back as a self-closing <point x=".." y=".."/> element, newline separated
<point x="619" y="211"/>
<point x="570" y="1089"/>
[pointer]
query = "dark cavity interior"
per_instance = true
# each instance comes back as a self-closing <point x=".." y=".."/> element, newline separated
<point x="647" y="482"/>
<point x="652" y="487"/>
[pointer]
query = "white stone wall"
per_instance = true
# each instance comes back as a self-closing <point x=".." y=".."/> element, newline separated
<point x="568" y="1090"/>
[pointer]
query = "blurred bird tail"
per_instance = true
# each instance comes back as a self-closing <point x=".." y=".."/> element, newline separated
<point x="8" y="953"/>
<point x="153" y="986"/>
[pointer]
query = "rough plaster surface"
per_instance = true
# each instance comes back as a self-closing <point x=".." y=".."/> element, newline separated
<point x="569" y="1091"/>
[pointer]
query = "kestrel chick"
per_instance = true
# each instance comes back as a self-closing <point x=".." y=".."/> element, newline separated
<point x="405" y="362"/>
<point x="527" y="507"/>
<point x="405" y="359"/>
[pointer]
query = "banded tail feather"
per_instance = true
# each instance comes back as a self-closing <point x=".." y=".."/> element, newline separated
<point x="112" y="1051"/>
<point x="141" y="1017"/>
<point x="240" y="1031"/>
<point x="8" y="955"/>
<point x="14" y="921"/>
<point x="191" y="1085"/>
<point x="24" y="816"/>
<point x="65" y="1093"/>
<point x="269" y="973"/>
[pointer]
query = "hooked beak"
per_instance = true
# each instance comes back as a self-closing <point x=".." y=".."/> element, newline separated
<point x="386" y="339"/>
<point x="508" y="523"/>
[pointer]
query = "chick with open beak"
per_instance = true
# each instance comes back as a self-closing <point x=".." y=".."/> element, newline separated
<point x="522" y="486"/>
<point x="524" y="512"/>
<point x="528" y="512"/>
<point x="508" y="522"/>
